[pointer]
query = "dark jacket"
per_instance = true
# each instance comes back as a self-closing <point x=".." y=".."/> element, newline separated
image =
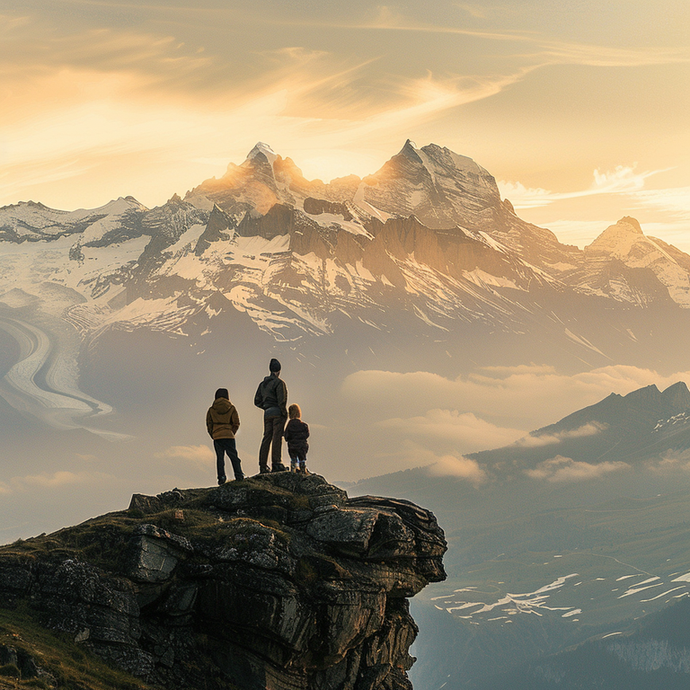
<point x="296" y="435"/>
<point x="271" y="396"/>
<point x="222" y="420"/>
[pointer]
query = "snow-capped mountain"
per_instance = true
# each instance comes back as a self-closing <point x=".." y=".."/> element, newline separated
<point x="428" y="231"/>
<point x="424" y="248"/>
<point x="625" y="264"/>
<point x="288" y="252"/>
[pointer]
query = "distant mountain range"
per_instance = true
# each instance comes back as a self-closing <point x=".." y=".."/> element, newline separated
<point x="427" y="236"/>
<point x="579" y="532"/>
<point x="646" y="423"/>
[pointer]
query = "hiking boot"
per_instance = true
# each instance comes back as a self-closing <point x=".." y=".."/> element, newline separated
<point x="264" y="470"/>
<point x="222" y="480"/>
<point x="279" y="468"/>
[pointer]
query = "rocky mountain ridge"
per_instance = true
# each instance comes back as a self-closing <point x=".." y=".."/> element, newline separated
<point x="642" y="425"/>
<point x="428" y="232"/>
<point x="424" y="251"/>
<point x="279" y="580"/>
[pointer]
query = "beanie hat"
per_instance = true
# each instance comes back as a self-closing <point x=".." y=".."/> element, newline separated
<point x="222" y="393"/>
<point x="274" y="366"/>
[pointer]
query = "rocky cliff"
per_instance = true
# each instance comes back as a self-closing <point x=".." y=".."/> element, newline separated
<point x="279" y="581"/>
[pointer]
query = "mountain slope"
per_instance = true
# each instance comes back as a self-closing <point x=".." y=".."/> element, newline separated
<point x="653" y="653"/>
<point x="574" y="533"/>
<point x="643" y="424"/>
<point x="423" y="252"/>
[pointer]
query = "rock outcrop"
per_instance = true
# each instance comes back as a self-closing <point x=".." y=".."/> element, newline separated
<point x="278" y="581"/>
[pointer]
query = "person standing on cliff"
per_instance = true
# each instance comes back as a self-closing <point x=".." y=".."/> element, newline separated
<point x="222" y="422"/>
<point x="271" y="397"/>
<point x="296" y="435"/>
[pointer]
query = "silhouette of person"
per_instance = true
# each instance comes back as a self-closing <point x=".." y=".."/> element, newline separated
<point x="271" y="397"/>
<point x="222" y="422"/>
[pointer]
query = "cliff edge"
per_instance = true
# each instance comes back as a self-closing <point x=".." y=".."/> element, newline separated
<point x="278" y="582"/>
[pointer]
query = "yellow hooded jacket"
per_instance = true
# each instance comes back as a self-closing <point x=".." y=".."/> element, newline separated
<point x="222" y="420"/>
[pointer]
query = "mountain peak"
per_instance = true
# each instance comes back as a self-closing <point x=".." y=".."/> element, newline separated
<point x="410" y="152"/>
<point x="679" y="385"/>
<point x="632" y="222"/>
<point x="645" y="393"/>
<point x="262" y="149"/>
<point x="677" y="395"/>
<point x="617" y="240"/>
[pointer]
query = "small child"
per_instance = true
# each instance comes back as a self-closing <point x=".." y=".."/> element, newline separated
<point x="296" y="435"/>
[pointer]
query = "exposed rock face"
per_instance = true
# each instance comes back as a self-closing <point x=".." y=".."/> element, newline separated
<point x="280" y="581"/>
<point x="438" y="186"/>
<point x="625" y="264"/>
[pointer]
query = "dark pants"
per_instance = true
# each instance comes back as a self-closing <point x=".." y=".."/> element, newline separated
<point x="223" y="446"/>
<point x="298" y="456"/>
<point x="273" y="434"/>
<point x="298" y="453"/>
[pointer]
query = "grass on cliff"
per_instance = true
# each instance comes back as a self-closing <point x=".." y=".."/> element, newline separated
<point x="72" y="666"/>
<point x="103" y="540"/>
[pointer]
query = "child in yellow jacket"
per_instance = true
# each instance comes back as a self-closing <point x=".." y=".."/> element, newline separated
<point x="222" y="422"/>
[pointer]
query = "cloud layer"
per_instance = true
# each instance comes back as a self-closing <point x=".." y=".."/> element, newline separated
<point x="493" y="407"/>
<point x="464" y="430"/>
<point x="523" y="397"/>
<point x="534" y="441"/>
<point x="561" y="469"/>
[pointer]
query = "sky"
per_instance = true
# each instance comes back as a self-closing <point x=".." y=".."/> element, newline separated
<point x="578" y="108"/>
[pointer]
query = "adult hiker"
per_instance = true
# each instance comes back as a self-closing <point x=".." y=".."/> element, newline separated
<point x="222" y="422"/>
<point x="271" y="397"/>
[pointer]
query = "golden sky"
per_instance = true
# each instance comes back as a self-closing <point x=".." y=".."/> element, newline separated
<point x="580" y="108"/>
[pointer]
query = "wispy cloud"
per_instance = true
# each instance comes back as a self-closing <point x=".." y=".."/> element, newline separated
<point x="526" y="397"/>
<point x="53" y="480"/>
<point x="671" y="462"/>
<point x="561" y="469"/>
<point x="571" y="53"/>
<point x="622" y="180"/>
<point x="389" y="18"/>
<point x="476" y="11"/>
<point x="457" y="466"/>
<point x="675" y="201"/>
<point x="202" y="456"/>
<point x="533" y="441"/>
<point x="410" y="454"/>
<point x="545" y="49"/>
